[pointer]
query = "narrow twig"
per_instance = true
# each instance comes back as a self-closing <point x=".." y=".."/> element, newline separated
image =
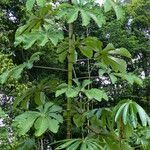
<point x="74" y="72"/>
<point x="86" y="59"/>
<point x="88" y="77"/>
<point x="50" y="68"/>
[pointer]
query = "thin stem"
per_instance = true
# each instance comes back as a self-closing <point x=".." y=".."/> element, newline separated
<point x="50" y="68"/>
<point x="121" y="133"/>
<point x="74" y="72"/>
<point x="87" y="77"/>
<point x="42" y="144"/>
<point x="88" y="104"/>
<point x="70" y="76"/>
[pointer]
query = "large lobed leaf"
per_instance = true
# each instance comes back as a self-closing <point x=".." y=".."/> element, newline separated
<point x="46" y="118"/>
<point x="129" y="111"/>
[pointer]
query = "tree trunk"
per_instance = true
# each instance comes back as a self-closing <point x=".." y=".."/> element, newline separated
<point x="70" y="73"/>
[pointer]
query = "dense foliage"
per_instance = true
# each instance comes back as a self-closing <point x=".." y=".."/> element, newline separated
<point x="74" y="74"/>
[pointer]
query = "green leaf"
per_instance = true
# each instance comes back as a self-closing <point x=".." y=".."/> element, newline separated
<point x="66" y="144"/>
<point x="128" y="130"/>
<point x="39" y="98"/>
<point x="109" y="47"/>
<point x="85" y="17"/>
<point x="62" y="56"/>
<point x="131" y="78"/>
<point x="16" y="72"/>
<point x="79" y="120"/>
<point x="4" y="77"/>
<point x="133" y="116"/>
<point x="99" y="20"/>
<point x="43" y="40"/>
<point x="47" y="117"/>
<point x="122" y="52"/>
<point x="52" y="108"/>
<point x="96" y="94"/>
<point x="101" y="72"/>
<point x="29" y="4"/>
<point x="86" y="83"/>
<point x="142" y="114"/>
<point x="125" y="113"/>
<point x="107" y="5"/>
<point x="41" y="125"/>
<point x="74" y="146"/>
<point x="58" y="117"/>
<point x="119" y="112"/>
<point x="71" y="92"/>
<point x="92" y="43"/>
<point x="119" y="12"/>
<point x="25" y="121"/>
<point x="113" y="78"/>
<point x="41" y="3"/>
<point x="128" y="110"/>
<point x="53" y="125"/>
<point x="60" y="92"/>
<point x="117" y="64"/>
<point x="86" y="51"/>
<point x="73" y="15"/>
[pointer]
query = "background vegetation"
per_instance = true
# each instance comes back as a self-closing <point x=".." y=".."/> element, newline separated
<point x="74" y="75"/>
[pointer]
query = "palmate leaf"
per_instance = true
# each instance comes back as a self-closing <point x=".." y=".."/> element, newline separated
<point x="46" y="118"/>
<point x="109" y="56"/>
<point x="98" y="18"/>
<point x="96" y="94"/>
<point x="71" y="13"/>
<point x="39" y="30"/>
<point x="82" y="144"/>
<point x="129" y="111"/>
<point x="40" y="37"/>
<point x="130" y="77"/>
<point x="92" y="94"/>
